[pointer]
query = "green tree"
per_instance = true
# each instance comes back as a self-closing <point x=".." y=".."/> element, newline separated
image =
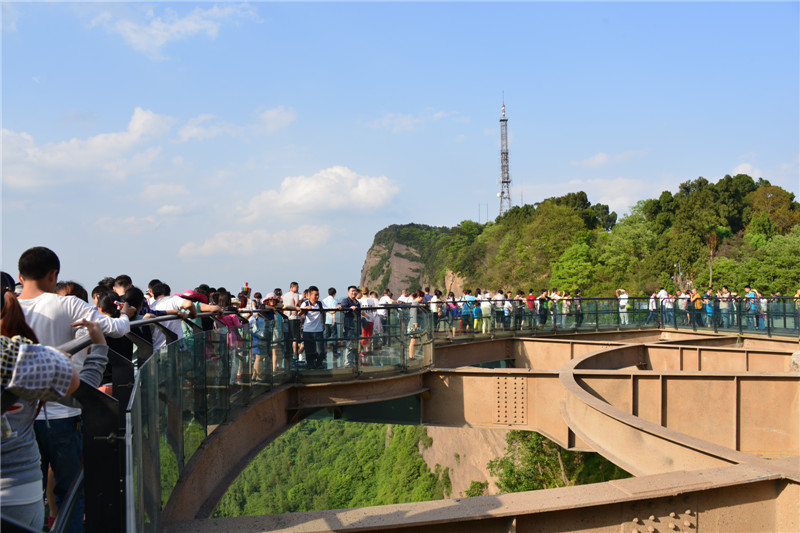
<point x="574" y="267"/>
<point x="533" y="462"/>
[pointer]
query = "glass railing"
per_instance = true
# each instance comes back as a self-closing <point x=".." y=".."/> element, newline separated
<point x="459" y="320"/>
<point x="767" y="316"/>
<point x="192" y="385"/>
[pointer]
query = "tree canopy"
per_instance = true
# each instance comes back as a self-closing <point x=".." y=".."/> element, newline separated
<point x="735" y="231"/>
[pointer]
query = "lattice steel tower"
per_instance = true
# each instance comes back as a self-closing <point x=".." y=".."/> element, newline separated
<point x="505" y="178"/>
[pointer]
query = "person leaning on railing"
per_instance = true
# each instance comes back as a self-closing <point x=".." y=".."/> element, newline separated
<point x="33" y="373"/>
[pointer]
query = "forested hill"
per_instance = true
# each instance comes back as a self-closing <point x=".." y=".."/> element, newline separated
<point x="736" y="231"/>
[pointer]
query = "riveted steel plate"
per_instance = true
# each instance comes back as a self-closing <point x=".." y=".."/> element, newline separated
<point x="511" y="400"/>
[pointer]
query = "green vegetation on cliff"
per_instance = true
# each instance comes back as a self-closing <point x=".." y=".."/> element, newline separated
<point x="735" y="231"/>
<point x="533" y="462"/>
<point x="320" y="465"/>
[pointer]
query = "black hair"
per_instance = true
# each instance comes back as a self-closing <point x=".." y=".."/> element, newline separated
<point x="107" y="303"/>
<point x="313" y="288"/>
<point x="35" y="263"/>
<point x="134" y="297"/>
<point x="160" y="289"/>
<point x="123" y="280"/>
<point x="97" y="291"/>
<point x="7" y="281"/>
<point x="153" y="283"/>
<point x="107" y="282"/>
<point x="351" y="287"/>
<point x="332" y="291"/>
<point x="72" y="288"/>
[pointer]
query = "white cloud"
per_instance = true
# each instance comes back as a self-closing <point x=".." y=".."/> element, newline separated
<point x="103" y="156"/>
<point x="162" y="192"/>
<point x="202" y="126"/>
<point x="602" y="159"/>
<point x="152" y="35"/>
<point x="241" y="243"/>
<point x="747" y="168"/>
<point x="170" y="210"/>
<point x="10" y="17"/>
<point x="620" y="194"/>
<point x="277" y="118"/>
<point x="194" y="129"/>
<point x="127" y="225"/>
<point x="400" y="122"/>
<point x="333" y="188"/>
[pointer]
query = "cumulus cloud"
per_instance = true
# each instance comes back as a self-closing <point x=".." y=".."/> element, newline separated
<point x="204" y="126"/>
<point x="602" y="159"/>
<point x="239" y="243"/>
<point x="104" y="156"/>
<point x="275" y="119"/>
<point x="747" y="168"/>
<point x="401" y="122"/>
<point x="196" y="130"/>
<point x="152" y="35"/>
<point x="620" y="194"/>
<point x="333" y="188"/>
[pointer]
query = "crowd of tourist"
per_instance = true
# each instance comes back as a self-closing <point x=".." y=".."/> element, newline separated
<point x="283" y="329"/>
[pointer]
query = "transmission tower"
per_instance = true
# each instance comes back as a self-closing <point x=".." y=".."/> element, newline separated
<point x="505" y="178"/>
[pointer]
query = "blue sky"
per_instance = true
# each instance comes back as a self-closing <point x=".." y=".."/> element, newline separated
<point x="268" y="142"/>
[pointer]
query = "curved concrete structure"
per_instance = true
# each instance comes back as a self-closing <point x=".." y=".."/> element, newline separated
<point x="685" y="413"/>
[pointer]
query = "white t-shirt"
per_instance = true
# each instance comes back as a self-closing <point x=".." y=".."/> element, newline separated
<point x="51" y="316"/>
<point x="383" y="302"/>
<point x="312" y="323"/>
<point x="623" y="300"/>
<point x="498" y="300"/>
<point x="434" y="304"/>
<point x="167" y="303"/>
<point x="369" y="313"/>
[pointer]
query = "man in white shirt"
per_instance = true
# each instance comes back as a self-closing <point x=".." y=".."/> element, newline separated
<point x="383" y="314"/>
<point x="51" y="316"/>
<point x="498" y="302"/>
<point x="291" y="300"/>
<point x="311" y="313"/>
<point x="622" y="296"/>
<point x="330" y="329"/>
<point x="164" y="302"/>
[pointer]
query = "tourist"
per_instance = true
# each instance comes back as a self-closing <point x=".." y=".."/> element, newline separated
<point x="622" y="302"/>
<point x="51" y="317"/>
<point x="351" y="311"/>
<point x="577" y="306"/>
<point x="291" y="300"/>
<point x="311" y="310"/>
<point x="329" y="330"/>
<point x="49" y="376"/>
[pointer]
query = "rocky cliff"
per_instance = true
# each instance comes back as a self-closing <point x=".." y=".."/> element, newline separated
<point x="398" y="266"/>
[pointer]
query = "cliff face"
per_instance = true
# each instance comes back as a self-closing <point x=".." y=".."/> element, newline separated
<point x="405" y="257"/>
<point x="394" y="266"/>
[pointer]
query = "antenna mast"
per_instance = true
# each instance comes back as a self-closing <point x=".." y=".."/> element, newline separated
<point x="505" y="178"/>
